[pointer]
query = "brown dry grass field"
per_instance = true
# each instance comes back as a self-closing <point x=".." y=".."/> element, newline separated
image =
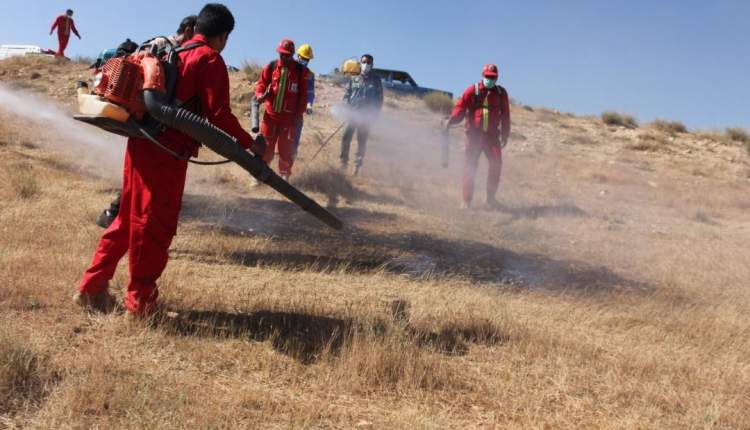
<point x="610" y="290"/>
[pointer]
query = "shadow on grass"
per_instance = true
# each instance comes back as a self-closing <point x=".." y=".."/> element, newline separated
<point x="541" y="211"/>
<point x="369" y="243"/>
<point x="307" y="337"/>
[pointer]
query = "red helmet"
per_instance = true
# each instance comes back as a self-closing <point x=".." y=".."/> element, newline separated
<point x="490" y="71"/>
<point x="286" y="46"/>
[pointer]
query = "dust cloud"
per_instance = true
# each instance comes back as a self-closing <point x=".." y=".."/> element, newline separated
<point x="83" y="145"/>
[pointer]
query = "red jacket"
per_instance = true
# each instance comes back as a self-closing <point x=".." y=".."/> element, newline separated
<point x="64" y="25"/>
<point x="488" y="112"/>
<point x="283" y="103"/>
<point x="204" y="80"/>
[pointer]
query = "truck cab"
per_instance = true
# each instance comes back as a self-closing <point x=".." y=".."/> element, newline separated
<point x="402" y="82"/>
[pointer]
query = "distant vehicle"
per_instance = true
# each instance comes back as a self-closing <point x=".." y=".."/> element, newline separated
<point x="401" y="82"/>
<point x="8" y="51"/>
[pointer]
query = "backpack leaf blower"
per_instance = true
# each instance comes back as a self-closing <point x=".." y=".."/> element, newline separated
<point x="135" y="98"/>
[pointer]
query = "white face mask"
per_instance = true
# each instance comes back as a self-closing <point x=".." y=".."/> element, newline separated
<point x="366" y="67"/>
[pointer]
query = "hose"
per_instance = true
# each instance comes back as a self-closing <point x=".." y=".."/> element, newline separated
<point x="217" y="140"/>
<point x="177" y="156"/>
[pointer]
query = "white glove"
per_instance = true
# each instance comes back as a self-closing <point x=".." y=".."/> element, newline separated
<point x="309" y="109"/>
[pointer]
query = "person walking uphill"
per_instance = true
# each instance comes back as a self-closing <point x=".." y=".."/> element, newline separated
<point x="154" y="180"/>
<point x="486" y="107"/>
<point x="64" y="25"/>
<point x="282" y="86"/>
<point x="364" y="95"/>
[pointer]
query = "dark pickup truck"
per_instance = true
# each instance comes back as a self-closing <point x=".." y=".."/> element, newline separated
<point x="401" y="82"/>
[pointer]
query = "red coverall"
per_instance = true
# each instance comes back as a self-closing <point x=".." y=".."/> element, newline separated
<point x="285" y="104"/>
<point x="64" y="25"/>
<point x="487" y="116"/>
<point x="153" y="183"/>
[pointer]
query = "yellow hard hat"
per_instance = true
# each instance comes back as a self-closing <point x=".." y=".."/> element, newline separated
<point x="351" y="67"/>
<point x="305" y="51"/>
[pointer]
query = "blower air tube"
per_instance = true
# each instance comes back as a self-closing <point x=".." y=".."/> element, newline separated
<point x="217" y="140"/>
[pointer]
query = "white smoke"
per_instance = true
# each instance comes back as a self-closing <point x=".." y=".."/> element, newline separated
<point x="56" y="129"/>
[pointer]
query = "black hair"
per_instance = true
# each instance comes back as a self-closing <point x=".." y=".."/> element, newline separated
<point x="369" y="57"/>
<point x="187" y="22"/>
<point x="69" y="12"/>
<point x="214" y="20"/>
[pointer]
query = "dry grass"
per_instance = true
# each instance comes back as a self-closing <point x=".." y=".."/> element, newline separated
<point x="438" y="102"/>
<point x="24" y="376"/>
<point x="251" y="71"/>
<point x="739" y="135"/>
<point x="619" y="119"/>
<point x="608" y="291"/>
<point x="24" y="182"/>
<point x="649" y="141"/>
<point x="580" y="139"/>
<point x="669" y="127"/>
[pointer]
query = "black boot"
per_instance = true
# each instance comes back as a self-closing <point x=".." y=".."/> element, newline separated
<point x="108" y="215"/>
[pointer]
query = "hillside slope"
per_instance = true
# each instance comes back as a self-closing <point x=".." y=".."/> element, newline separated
<point x="608" y="291"/>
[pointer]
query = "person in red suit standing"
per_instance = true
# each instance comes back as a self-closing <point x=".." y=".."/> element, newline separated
<point x="64" y="25"/>
<point x="486" y="107"/>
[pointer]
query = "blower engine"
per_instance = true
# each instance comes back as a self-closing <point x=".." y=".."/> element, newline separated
<point x="133" y="98"/>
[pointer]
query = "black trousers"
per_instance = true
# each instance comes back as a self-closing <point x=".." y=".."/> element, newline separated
<point x="363" y="133"/>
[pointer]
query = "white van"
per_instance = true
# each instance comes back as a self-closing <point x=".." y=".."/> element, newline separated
<point x="7" y="51"/>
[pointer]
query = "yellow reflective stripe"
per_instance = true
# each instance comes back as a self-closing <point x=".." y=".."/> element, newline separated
<point x="486" y="113"/>
<point x="278" y="103"/>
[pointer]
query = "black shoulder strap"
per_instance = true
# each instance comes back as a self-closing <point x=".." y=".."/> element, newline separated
<point x="189" y="47"/>
<point x="300" y="68"/>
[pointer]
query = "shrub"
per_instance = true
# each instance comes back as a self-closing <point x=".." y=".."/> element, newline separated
<point x="616" y="118"/>
<point x="438" y="102"/>
<point x="328" y="181"/>
<point x="23" y="375"/>
<point x="25" y="184"/>
<point x="649" y="142"/>
<point x="251" y="70"/>
<point x="738" y="135"/>
<point x="670" y="127"/>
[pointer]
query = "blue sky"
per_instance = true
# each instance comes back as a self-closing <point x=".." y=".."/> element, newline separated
<point x="685" y="60"/>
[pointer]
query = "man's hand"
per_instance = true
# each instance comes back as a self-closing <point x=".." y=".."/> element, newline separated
<point x="309" y="109"/>
<point x="446" y="124"/>
<point x="259" y="146"/>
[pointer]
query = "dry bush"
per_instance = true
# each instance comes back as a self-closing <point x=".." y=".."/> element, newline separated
<point x="438" y="102"/>
<point x="372" y="363"/>
<point x="649" y="142"/>
<point x="714" y="136"/>
<point x="528" y="108"/>
<point x="737" y="134"/>
<point x="619" y="119"/>
<point x="23" y="375"/>
<point x="580" y="139"/>
<point x="670" y="127"/>
<point x="251" y="70"/>
<point x="326" y="180"/>
<point x="547" y="115"/>
<point x="25" y="184"/>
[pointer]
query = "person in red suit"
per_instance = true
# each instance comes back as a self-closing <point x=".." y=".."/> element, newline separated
<point x="154" y="180"/>
<point x="282" y="85"/>
<point x="64" y="25"/>
<point x="486" y="107"/>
